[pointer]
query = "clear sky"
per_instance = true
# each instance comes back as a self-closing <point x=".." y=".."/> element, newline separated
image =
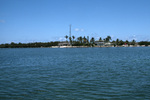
<point x="48" y="20"/>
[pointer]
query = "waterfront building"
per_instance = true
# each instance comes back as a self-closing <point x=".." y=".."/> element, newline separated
<point x="99" y="43"/>
<point x="64" y="43"/>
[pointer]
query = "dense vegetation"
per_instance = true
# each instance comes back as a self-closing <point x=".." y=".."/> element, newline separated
<point x="28" y="45"/>
<point x="146" y="43"/>
<point x="80" y="41"/>
<point x="83" y="41"/>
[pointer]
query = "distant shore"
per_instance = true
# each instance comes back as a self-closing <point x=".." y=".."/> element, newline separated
<point x="97" y="46"/>
<point x="75" y="44"/>
<point x="82" y="47"/>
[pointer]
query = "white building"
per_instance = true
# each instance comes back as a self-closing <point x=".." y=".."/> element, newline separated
<point x="64" y="44"/>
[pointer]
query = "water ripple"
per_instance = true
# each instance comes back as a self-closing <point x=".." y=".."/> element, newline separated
<point x="75" y="73"/>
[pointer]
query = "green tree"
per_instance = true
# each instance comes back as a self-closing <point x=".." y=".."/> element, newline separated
<point x="117" y="42"/>
<point x="12" y="43"/>
<point x="73" y="37"/>
<point x="80" y="39"/>
<point x="100" y="39"/>
<point x="133" y="42"/>
<point x="114" y="43"/>
<point x="84" y="40"/>
<point x="92" y="40"/>
<point x="121" y="42"/>
<point x="146" y="43"/>
<point x="70" y="39"/>
<point x="108" y="38"/>
<point x="127" y="42"/>
<point x="66" y="37"/>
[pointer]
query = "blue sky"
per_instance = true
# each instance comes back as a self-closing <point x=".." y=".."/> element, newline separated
<point x="48" y="20"/>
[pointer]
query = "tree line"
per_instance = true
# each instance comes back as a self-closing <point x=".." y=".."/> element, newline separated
<point x="83" y="41"/>
<point x="79" y="41"/>
<point x="29" y="45"/>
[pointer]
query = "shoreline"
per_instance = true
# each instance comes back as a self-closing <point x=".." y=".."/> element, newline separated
<point x="96" y="46"/>
<point x="86" y="46"/>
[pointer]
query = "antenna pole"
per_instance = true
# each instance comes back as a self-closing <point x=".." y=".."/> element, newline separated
<point x="70" y="35"/>
<point x="70" y="30"/>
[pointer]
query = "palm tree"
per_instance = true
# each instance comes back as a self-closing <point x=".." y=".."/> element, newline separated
<point x="70" y="39"/>
<point x="84" y="39"/>
<point x="66" y="37"/>
<point x="80" y="39"/>
<point x="100" y="39"/>
<point x="117" y="41"/>
<point x="108" y="38"/>
<point x="92" y="40"/>
<point x="73" y="37"/>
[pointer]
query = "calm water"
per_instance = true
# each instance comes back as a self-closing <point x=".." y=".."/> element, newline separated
<point x="75" y="73"/>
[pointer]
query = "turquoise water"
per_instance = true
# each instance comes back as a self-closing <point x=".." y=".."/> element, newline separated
<point x="75" y="73"/>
